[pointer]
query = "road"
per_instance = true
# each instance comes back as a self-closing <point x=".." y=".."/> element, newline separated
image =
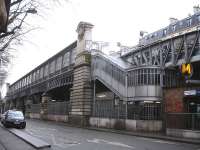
<point x="63" y="137"/>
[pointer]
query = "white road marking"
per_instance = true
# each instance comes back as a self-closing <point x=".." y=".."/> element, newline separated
<point x="63" y="143"/>
<point x="53" y="139"/>
<point x="40" y="128"/>
<point x="31" y="133"/>
<point x="164" y="142"/>
<point x="157" y="141"/>
<point x="93" y="141"/>
<point x="146" y="139"/>
<point x="110" y="143"/>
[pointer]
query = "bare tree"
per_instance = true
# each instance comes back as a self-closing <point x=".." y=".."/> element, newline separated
<point x="17" y="28"/>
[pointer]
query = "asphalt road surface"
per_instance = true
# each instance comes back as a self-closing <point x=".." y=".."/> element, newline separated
<point x="63" y="137"/>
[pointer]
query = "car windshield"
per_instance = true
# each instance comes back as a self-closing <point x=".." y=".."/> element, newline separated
<point x="16" y="114"/>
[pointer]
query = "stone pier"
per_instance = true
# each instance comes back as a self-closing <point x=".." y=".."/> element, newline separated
<point x="81" y="94"/>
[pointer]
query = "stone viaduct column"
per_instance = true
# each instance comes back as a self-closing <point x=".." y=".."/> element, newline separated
<point x="44" y="106"/>
<point x="81" y="94"/>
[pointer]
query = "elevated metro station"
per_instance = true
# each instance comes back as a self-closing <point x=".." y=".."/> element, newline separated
<point x="155" y="80"/>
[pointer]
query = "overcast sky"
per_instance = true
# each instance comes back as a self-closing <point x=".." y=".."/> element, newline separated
<point x="113" y="20"/>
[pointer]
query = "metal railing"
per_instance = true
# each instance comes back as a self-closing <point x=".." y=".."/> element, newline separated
<point x="125" y="82"/>
<point x="95" y="45"/>
<point x="187" y="121"/>
<point x="125" y="110"/>
<point x="111" y="75"/>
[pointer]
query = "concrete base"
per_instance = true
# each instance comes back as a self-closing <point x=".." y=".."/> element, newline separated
<point x="183" y="133"/>
<point x="131" y="125"/>
<point x="34" y="115"/>
<point x="78" y="120"/>
<point x="58" y="118"/>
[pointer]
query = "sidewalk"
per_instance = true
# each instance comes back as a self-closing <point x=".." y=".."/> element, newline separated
<point x="154" y="135"/>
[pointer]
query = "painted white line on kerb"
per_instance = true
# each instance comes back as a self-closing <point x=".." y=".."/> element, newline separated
<point x="110" y="143"/>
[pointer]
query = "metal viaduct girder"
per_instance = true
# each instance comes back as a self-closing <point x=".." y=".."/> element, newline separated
<point x="173" y="50"/>
<point x="56" y="72"/>
<point x="44" y="86"/>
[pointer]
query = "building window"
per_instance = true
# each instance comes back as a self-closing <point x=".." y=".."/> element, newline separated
<point x="189" y="22"/>
<point x="164" y="32"/>
<point x="174" y="28"/>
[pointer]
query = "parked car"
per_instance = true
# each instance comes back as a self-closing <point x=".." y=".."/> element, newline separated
<point x="13" y="118"/>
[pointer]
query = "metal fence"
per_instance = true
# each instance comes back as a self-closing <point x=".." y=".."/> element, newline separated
<point x="188" y="121"/>
<point x="58" y="108"/>
<point x="125" y="110"/>
<point x="146" y="111"/>
<point x="34" y="108"/>
<point x="107" y="109"/>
